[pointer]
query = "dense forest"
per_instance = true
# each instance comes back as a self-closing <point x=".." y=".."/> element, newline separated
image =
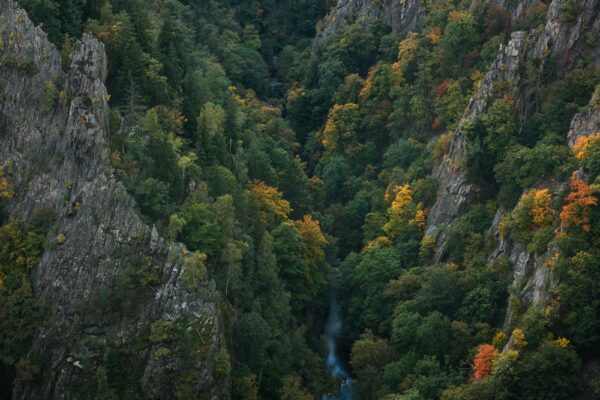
<point x="293" y="171"/>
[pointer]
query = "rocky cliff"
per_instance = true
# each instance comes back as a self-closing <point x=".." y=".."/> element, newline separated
<point x="54" y="148"/>
<point x="571" y="43"/>
<point x="403" y="16"/>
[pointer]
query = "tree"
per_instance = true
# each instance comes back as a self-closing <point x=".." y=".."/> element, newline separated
<point x="482" y="364"/>
<point x="550" y="372"/>
<point x="433" y="336"/>
<point x="210" y="132"/>
<point x="340" y="130"/>
<point x="587" y="149"/>
<point x="19" y="315"/>
<point x="576" y="211"/>
<point x="404" y="212"/>
<point x="269" y="201"/>
<point x="368" y="357"/>
<point x="314" y="241"/>
<point x="252" y="335"/>
<point x="6" y="191"/>
<point x="292" y="389"/>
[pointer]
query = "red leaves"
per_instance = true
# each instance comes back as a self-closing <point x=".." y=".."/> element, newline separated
<point x="483" y="362"/>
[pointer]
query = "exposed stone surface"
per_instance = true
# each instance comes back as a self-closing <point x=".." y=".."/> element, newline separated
<point x="571" y="43"/>
<point x="57" y="155"/>
<point x="532" y="277"/>
<point x="456" y="193"/>
<point x="584" y="124"/>
<point x="403" y="16"/>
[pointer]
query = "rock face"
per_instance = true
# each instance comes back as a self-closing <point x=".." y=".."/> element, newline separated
<point x="54" y="146"/>
<point x="569" y="42"/>
<point x="532" y="277"/>
<point x="456" y="193"/>
<point x="403" y="16"/>
<point x="584" y="124"/>
<point x="566" y="41"/>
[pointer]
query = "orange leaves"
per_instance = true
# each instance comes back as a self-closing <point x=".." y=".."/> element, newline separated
<point x="270" y="201"/>
<point x="577" y="205"/>
<point x="314" y="240"/>
<point x="484" y="360"/>
<point x="434" y="35"/>
<point x="6" y="192"/>
<point x="582" y="145"/>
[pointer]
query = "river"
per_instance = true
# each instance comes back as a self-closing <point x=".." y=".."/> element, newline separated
<point x="334" y="363"/>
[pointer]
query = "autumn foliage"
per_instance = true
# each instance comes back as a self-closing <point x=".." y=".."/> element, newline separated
<point x="314" y="240"/>
<point x="483" y="362"/>
<point x="577" y="206"/>
<point x="404" y="211"/>
<point x="270" y="201"/>
<point x="542" y="212"/>
<point x="583" y="144"/>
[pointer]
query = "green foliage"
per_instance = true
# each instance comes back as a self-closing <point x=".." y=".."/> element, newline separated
<point x="50" y="95"/>
<point x="20" y="315"/>
<point x="235" y="135"/>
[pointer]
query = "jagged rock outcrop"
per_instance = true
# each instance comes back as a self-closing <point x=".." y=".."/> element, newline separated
<point x="54" y="148"/>
<point x="584" y="124"/>
<point x="456" y="193"/>
<point x="532" y="278"/>
<point x="403" y="16"/>
<point x="568" y="41"/>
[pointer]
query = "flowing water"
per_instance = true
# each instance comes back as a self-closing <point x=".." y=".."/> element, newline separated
<point x="335" y="365"/>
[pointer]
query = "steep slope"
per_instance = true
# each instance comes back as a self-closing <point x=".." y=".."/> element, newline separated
<point x="106" y="281"/>
<point x="560" y="40"/>
<point x="402" y="16"/>
<point x="570" y="41"/>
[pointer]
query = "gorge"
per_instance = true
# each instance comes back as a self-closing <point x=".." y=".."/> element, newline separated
<point x="300" y="199"/>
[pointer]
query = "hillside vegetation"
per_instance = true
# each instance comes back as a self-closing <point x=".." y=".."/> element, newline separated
<point x="280" y="162"/>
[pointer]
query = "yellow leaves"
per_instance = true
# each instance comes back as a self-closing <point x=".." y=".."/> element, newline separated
<point x="408" y="47"/>
<point x="61" y="239"/>
<point x="380" y="242"/>
<point x="427" y="247"/>
<point x="6" y="191"/>
<point x="499" y="339"/>
<point x="296" y="92"/>
<point x="562" y="342"/>
<point x="314" y="240"/>
<point x="582" y="146"/>
<point x="368" y="86"/>
<point x="461" y="17"/>
<point x="403" y="211"/>
<point x="420" y="219"/>
<point x="270" y="201"/>
<point x="519" y="337"/>
<point x="402" y="199"/>
<point x="542" y="212"/>
<point x="341" y="125"/>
